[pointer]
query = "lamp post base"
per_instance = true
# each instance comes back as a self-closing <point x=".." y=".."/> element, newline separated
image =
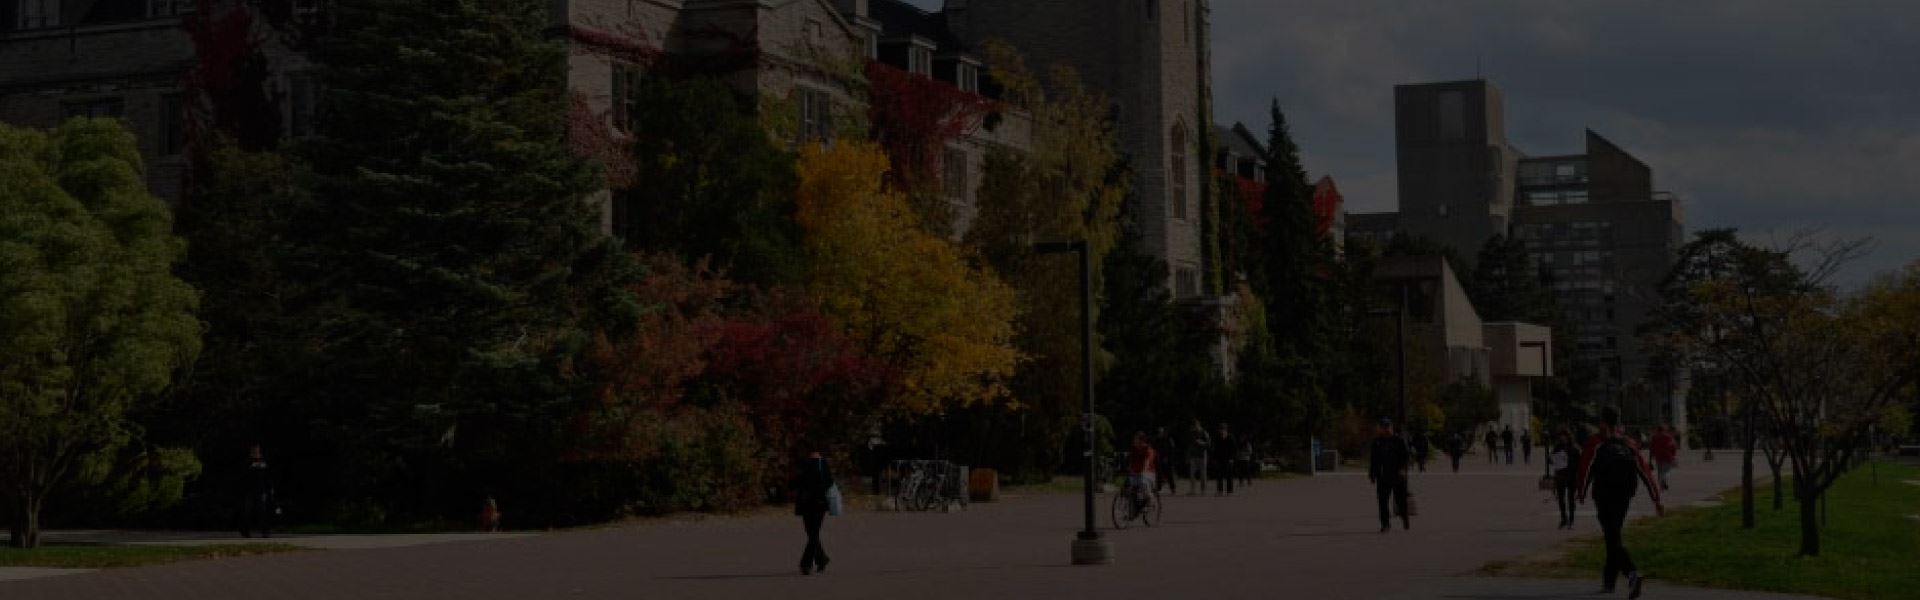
<point x="1092" y="550"/>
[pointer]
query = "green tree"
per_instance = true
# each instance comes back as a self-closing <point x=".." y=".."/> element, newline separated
<point x="709" y="183"/>
<point x="1507" y="286"/>
<point x="1068" y="184"/>
<point x="451" y="269"/>
<point x="93" y="323"/>
<point x="1292" y="274"/>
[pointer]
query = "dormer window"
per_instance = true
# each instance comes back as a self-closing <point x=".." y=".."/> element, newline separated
<point x="920" y="61"/>
<point x="873" y="46"/>
<point x="167" y="8"/>
<point x="967" y="78"/>
<point x="38" y="14"/>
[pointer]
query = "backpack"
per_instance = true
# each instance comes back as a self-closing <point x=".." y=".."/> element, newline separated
<point x="1615" y="469"/>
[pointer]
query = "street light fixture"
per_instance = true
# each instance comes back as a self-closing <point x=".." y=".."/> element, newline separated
<point x="1089" y="548"/>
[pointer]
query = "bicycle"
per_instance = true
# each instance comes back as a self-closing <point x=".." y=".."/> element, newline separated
<point x="1134" y="503"/>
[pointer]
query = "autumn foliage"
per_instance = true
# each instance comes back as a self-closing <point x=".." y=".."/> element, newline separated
<point x="915" y="116"/>
<point x="942" y="327"/>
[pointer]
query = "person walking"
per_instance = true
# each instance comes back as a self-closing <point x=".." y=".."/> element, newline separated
<point x="1247" y="468"/>
<point x="1456" y="446"/>
<point x="1387" y="471"/>
<point x="1666" y="453"/>
<point x="1197" y="444"/>
<point x="810" y="488"/>
<point x="1422" y="447"/>
<point x="1506" y="442"/>
<point x="1611" y="470"/>
<point x="1163" y="462"/>
<point x="1562" y="460"/>
<point x="1493" y="445"/>
<point x="1526" y="446"/>
<point x="1223" y="457"/>
<point x="256" y="500"/>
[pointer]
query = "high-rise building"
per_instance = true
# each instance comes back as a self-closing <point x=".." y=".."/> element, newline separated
<point x="1454" y="164"/>
<point x="1603" y="240"/>
<point x="1599" y="233"/>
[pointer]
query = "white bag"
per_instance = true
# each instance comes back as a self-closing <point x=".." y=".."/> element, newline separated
<point x="835" y="503"/>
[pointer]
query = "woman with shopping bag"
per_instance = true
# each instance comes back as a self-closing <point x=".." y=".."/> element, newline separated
<point x="814" y="495"/>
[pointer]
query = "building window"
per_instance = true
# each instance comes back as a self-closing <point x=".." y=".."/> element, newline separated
<point x="626" y="93"/>
<point x="173" y="116"/>
<point x="816" y="115"/>
<point x="99" y="107"/>
<point x="920" y="61"/>
<point x="967" y="77"/>
<point x="816" y="34"/>
<point x="1186" y="283"/>
<point x="1177" y="173"/>
<point x="955" y="176"/>
<point x="36" y="14"/>
<point x="168" y="8"/>
<point x="873" y="46"/>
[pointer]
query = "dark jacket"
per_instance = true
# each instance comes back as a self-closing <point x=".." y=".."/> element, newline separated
<point x="1390" y="457"/>
<point x="810" y="487"/>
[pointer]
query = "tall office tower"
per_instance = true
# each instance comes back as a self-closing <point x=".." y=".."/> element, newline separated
<point x="1455" y="166"/>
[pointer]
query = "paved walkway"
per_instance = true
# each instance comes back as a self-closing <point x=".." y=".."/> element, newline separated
<point x="1303" y="538"/>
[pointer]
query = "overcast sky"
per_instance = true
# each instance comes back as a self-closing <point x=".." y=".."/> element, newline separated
<point x="1768" y="116"/>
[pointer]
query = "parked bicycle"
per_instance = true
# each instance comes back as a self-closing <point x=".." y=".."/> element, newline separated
<point x="928" y="484"/>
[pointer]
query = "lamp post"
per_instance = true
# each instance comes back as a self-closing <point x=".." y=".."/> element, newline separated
<point x="1546" y="369"/>
<point x="1089" y="548"/>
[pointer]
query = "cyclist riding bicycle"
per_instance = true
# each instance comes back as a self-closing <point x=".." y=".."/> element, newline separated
<point x="1140" y="473"/>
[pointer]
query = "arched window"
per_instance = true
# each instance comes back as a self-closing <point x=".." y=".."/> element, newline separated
<point x="1177" y="174"/>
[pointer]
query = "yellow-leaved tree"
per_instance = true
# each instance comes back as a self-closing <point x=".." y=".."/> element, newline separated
<point x="913" y="300"/>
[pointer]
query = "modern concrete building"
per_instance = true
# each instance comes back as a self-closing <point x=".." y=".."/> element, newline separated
<point x="1519" y="354"/>
<point x="1446" y="330"/>
<point x="1603" y="239"/>
<point x="1454" y="165"/>
<point x="1600" y="234"/>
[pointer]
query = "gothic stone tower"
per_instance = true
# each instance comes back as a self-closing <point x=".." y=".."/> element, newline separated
<point x="1147" y="57"/>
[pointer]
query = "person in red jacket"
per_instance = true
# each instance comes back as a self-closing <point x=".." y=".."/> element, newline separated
<point x="1666" y="453"/>
<point x="1611" y="468"/>
<point x="1140" y="469"/>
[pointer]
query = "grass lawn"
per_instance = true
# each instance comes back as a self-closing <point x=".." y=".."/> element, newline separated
<point x="1869" y="550"/>
<point x="99" y="556"/>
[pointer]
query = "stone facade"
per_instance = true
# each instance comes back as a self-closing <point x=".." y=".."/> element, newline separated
<point x="120" y="58"/>
<point x="1148" y="58"/>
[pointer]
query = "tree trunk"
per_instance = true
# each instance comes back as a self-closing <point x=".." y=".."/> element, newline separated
<point x="1809" y="520"/>
<point x="26" y="524"/>
<point x="1746" y="477"/>
<point x="1778" y="502"/>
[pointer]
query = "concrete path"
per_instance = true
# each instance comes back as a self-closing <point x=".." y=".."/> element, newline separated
<point x="1303" y="538"/>
<point x="317" y="542"/>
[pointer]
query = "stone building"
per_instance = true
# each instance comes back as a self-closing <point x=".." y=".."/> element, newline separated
<point x="125" y="59"/>
<point x="1149" y="57"/>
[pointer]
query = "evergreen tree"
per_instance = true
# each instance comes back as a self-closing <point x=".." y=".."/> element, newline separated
<point x="1507" y="287"/>
<point x="1296" y="265"/>
<point x="451" y="266"/>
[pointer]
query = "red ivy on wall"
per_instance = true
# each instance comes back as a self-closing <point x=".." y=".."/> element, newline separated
<point x="914" y="117"/>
